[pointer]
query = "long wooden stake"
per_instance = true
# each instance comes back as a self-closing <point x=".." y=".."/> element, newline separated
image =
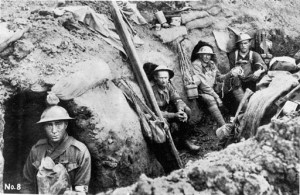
<point x="139" y="72"/>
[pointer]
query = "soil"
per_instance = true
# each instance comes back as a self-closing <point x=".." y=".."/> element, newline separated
<point x="51" y="50"/>
<point x="263" y="164"/>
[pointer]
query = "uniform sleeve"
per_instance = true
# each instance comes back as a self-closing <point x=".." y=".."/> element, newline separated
<point x="258" y="62"/>
<point x="200" y="77"/>
<point x="231" y="59"/>
<point x="176" y="99"/>
<point x="167" y="115"/>
<point x="29" y="175"/>
<point x="222" y="77"/>
<point x="83" y="174"/>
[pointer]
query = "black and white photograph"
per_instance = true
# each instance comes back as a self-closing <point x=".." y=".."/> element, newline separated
<point x="150" y="97"/>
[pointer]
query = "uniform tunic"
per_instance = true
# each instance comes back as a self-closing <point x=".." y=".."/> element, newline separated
<point x="255" y="62"/>
<point x="206" y="75"/>
<point x="166" y="97"/>
<point x="71" y="153"/>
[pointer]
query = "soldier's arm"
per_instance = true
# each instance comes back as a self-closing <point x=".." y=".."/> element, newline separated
<point x="258" y="62"/>
<point x="222" y="77"/>
<point x="83" y="174"/>
<point x="29" y="175"/>
<point x="176" y="99"/>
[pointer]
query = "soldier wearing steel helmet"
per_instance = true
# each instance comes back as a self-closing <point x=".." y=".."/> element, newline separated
<point x="174" y="110"/>
<point x="62" y="149"/>
<point x="207" y="76"/>
<point x="247" y="67"/>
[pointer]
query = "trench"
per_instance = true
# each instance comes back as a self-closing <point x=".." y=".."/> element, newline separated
<point x="21" y="132"/>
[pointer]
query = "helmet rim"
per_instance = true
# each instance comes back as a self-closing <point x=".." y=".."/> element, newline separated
<point x="206" y="50"/>
<point x="54" y="113"/>
<point x="164" y="68"/>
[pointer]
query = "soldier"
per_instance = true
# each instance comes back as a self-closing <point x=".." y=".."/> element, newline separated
<point x="62" y="149"/>
<point x="206" y="76"/>
<point x="247" y="67"/>
<point x="174" y="110"/>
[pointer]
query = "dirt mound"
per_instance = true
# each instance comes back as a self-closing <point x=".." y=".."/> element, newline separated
<point x="112" y="133"/>
<point x="53" y="46"/>
<point x="105" y="121"/>
<point x="265" y="164"/>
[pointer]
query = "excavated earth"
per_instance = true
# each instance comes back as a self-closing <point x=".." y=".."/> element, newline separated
<point x="106" y="123"/>
<point x="265" y="164"/>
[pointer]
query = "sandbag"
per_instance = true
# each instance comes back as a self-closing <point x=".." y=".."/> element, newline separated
<point x="158" y="133"/>
<point x="88" y="75"/>
<point x="261" y="101"/>
<point x="185" y="18"/>
<point x="283" y="63"/>
<point x="225" y="40"/>
<point x="170" y="34"/>
<point x="199" y="23"/>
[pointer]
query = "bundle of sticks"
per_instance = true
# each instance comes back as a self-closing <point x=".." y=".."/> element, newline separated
<point x="185" y="65"/>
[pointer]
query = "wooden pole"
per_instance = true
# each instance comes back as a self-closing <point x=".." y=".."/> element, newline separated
<point x="138" y="71"/>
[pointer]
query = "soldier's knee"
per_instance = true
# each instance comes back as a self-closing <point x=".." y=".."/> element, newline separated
<point x="209" y="100"/>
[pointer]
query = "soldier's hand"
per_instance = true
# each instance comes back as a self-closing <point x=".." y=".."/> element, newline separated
<point x="237" y="71"/>
<point x="257" y="74"/>
<point x="188" y="111"/>
<point x="219" y="102"/>
<point x="181" y="116"/>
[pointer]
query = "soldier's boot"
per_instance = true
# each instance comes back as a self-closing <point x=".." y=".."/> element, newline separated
<point x="224" y="131"/>
<point x="191" y="146"/>
<point x="215" y="112"/>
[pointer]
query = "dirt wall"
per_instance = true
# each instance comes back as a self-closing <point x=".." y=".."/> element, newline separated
<point x="50" y="50"/>
<point x="265" y="164"/>
<point x="112" y="132"/>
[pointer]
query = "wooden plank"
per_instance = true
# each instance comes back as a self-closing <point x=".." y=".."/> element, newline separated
<point x="139" y="72"/>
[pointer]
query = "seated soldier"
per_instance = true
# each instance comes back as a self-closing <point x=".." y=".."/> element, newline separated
<point x="174" y="110"/>
<point x="247" y="67"/>
<point x="60" y="149"/>
<point x="206" y="75"/>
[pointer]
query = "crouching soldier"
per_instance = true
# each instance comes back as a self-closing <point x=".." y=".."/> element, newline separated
<point x="174" y="110"/>
<point x="58" y="164"/>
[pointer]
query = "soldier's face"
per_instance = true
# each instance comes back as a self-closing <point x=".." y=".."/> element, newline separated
<point x="244" y="46"/>
<point x="55" y="130"/>
<point x="162" y="78"/>
<point x="206" y="57"/>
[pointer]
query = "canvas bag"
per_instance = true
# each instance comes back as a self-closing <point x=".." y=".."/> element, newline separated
<point x="52" y="178"/>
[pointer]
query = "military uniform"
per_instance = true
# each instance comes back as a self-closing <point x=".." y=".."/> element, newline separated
<point x="254" y="62"/>
<point x="206" y="76"/>
<point x="71" y="153"/>
<point x="168" y="98"/>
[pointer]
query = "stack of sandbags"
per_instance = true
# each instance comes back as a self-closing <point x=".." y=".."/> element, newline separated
<point x="167" y="35"/>
<point x="200" y="18"/>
